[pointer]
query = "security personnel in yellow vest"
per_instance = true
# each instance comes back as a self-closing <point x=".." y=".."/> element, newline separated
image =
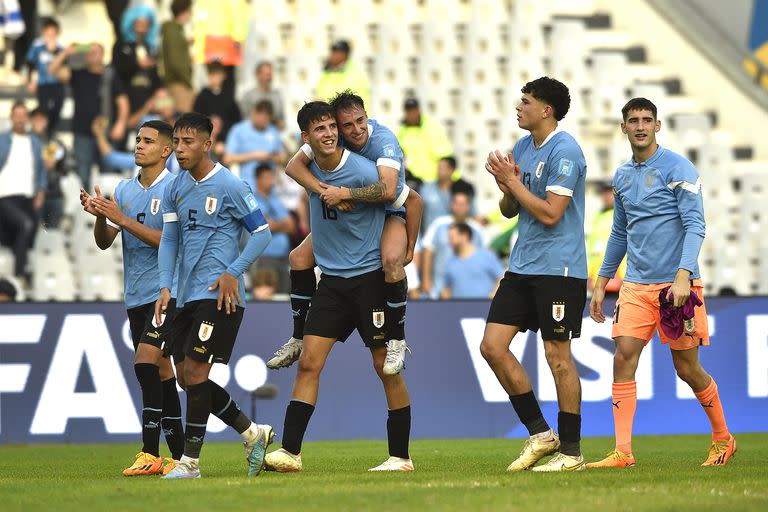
<point x="597" y="240"/>
<point x="423" y="140"/>
<point x="340" y="74"/>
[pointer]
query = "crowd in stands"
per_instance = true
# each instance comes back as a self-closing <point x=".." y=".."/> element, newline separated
<point x="150" y="73"/>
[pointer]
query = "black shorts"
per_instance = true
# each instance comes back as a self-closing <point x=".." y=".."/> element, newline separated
<point x="395" y="213"/>
<point x="205" y="333"/>
<point x="552" y="304"/>
<point x="141" y="320"/>
<point x="342" y="305"/>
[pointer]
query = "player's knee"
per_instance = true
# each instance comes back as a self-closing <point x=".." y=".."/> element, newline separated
<point x="491" y="352"/>
<point x="558" y="358"/>
<point x="687" y="370"/>
<point x="392" y="263"/>
<point x="309" y="365"/>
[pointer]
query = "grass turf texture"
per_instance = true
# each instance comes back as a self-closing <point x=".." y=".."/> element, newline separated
<point x="463" y="475"/>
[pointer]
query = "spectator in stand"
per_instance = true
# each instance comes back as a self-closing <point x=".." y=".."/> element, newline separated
<point x="135" y="56"/>
<point x="341" y="73"/>
<point x="55" y="161"/>
<point x="115" y="10"/>
<point x="159" y="107"/>
<point x="264" y="91"/>
<point x="253" y="142"/>
<point x="473" y="272"/>
<point x="176" y="56"/>
<point x="281" y="224"/>
<point x="23" y="181"/>
<point x="436" y="249"/>
<point x="423" y="140"/>
<point x="264" y="284"/>
<point x="218" y="101"/>
<point x="22" y="30"/>
<point x="437" y="194"/>
<point x="7" y="291"/>
<point x="90" y="86"/>
<point x="123" y="160"/>
<point x="48" y="89"/>
<point x="220" y="28"/>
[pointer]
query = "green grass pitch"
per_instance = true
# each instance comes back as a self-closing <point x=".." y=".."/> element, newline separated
<point x="463" y="475"/>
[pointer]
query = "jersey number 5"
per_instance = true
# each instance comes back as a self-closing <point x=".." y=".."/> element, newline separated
<point x="329" y="213"/>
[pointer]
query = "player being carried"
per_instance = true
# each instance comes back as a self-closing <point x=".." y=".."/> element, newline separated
<point x="350" y="294"/>
<point x="403" y="220"/>
<point x="204" y="211"/>
<point x="134" y="212"/>
<point x="658" y="222"/>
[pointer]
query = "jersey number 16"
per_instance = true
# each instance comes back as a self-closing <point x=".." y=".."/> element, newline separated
<point x="329" y="213"/>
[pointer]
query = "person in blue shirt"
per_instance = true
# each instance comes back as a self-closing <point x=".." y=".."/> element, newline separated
<point x="45" y="85"/>
<point x="204" y="210"/>
<point x="347" y="248"/>
<point x="134" y="213"/>
<point x="658" y="222"/>
<point x="437" y="194"/>
<point x="281" y="223"/>
<point x="377" y="143"/>
<point x="473" y="272"/>
<point x="543" y="181"/>
<point x="253" y="142"/>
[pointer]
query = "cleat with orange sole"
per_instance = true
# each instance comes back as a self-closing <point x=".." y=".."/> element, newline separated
<point x="615" y="459"/>
<point x="145" y="464"/>
<point x="720" y="452"/>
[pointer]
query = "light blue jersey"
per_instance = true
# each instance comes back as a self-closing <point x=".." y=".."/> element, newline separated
<point x="211" y="214"/>
<point x="474" y="277"/>
<point x="140" y="270"/>
<point x="347" y="244"/>
<point x="436" y="240"/>
<point x="658" y="219"/>
<point x="383" y="149"/>
<point x="557" y="166"/>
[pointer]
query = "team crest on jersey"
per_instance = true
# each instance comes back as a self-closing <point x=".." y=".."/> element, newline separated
<point x="649" y="178"/>
<point x="558" y="311"/>
<point x="539" y="169"/>
<point x="210" y="204"/>
<point x="690" y="325"/>
<point x="205" y="331"/>
<point x="388" y="150"/>
<point x="378" y="318"/>
<point x="155" y="206"/>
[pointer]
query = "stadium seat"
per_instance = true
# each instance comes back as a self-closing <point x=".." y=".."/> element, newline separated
<point x="50" y="241"/>
<point x="52" y="279"/>
<point x="6" y="262"/>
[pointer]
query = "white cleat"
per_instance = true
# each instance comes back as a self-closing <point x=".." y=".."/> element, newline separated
<point x="286" y="355"/>
<point x="260" y="438"/>
<point x="535" y="448"/>
<point x="394" y="464"/>
<point x="561" y="462"/>
<point x="282" y="461"/>
<point x="185" y="468"/>
<point x="395" y="361"/>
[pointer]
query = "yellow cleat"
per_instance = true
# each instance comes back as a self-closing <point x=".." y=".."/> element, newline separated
<point x="720" y="452"/>
<point x="168" y="465"/>
<point x="615" y="459"/>
<point x="145" y="464"/>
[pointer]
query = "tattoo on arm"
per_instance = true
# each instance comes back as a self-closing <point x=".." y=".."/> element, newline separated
<point x="374" y="193"/>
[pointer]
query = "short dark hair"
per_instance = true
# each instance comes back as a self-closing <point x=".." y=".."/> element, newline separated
<point x="194" y="121"/>
<point x="180" y="6"/>
<point x="261" y="64"/>
<point x="313" y="111"/>
<point x="638" y="104"/>
<point x="49" y="22"/>
<point x="215" y="67"/>
<point x="262" y="168"/>
<point x="7" y="288"/>
<point x="37" y="111"/>
<point x="163" y="129"/>
<point x="463" y="228"/>
<point x="346" y="99"/>
<point x="552" y="92"/>
<point x="19" y="104"/>
<point x="451" y="161"/>
<point x="264" y="106"/>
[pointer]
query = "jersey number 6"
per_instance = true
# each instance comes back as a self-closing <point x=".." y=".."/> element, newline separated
<point x="329" y="213"/>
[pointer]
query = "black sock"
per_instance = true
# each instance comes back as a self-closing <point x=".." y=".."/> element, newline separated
<point x="297" y="417"/>
<point x="303" y="285"/>
<point x="198" y="409"/>
<point x="569" y="430"/>
<point x="171" y="421"/>
<point x="399" y="432"/>
<point x="396" y="295"/>
<point x="527" y="408"/>
<point x="226" y="409"/>
<point x="148" y="376"/>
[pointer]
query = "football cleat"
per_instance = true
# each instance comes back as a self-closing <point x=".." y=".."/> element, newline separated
<point x="256" y="449"/>
<point x="185" y="468"/>
<point x="282" y="461"/>
<point x="395" y="361"/>
<point x="394" y="464"/>
<point x="145" y="464"/>
<point x="615" y="459"/>
<point x="168" y="465"/>
<point x="720" y="452"/>
<point x="561" y="462"/>
<point x="286" y="355"/>
<point x="535" y="448"/>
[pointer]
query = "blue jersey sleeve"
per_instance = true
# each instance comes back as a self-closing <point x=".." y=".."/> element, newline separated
<point x="685" y="183"/>
<point x="246" y="208"/>
<point x="565" y="171"/>
<point x="169" y="241"/>
<point x="616" y="247"/>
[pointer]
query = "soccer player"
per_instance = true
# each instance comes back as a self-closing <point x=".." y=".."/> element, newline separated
<point x="403" y="221"/>
<point x="350" y="294"/>
<point x="204" y="210"/>
<point x="658" y="222"/>
<point x="134" y="211"/>
<point x="543" y="181"/>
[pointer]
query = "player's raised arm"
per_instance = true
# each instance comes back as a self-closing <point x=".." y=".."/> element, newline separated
<point x="298" y="170"/>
